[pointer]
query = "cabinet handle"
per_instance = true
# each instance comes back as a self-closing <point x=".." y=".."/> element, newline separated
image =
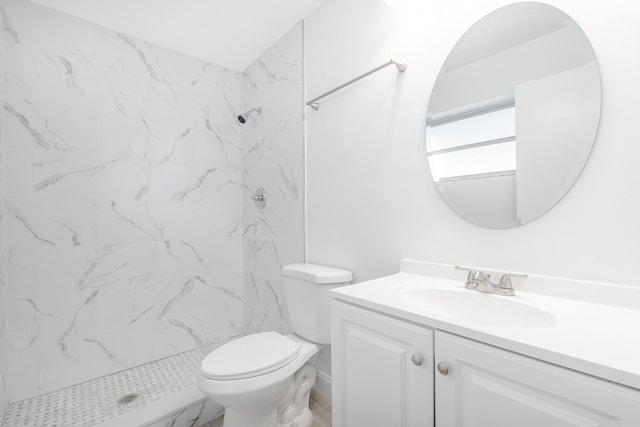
<point x="443" y="368"/>
<point x="416" y="359"/>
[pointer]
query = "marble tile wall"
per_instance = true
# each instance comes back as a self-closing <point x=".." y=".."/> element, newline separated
<point x="197" y="415"/>
<point x="273" y="158"/>
<point x="4" y="397"/>
<point x="122" y="200"/>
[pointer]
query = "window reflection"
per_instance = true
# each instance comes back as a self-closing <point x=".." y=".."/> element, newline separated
<point x="475" y="142"/>
<point x="472" y="156"/>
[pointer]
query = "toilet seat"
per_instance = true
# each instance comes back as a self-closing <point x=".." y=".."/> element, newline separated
<point x="250" y="356"/>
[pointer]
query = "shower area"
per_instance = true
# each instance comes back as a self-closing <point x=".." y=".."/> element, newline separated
<point x="130" y="243"/>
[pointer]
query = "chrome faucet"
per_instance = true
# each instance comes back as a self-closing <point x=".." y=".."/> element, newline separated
<point x="481" y="282"/>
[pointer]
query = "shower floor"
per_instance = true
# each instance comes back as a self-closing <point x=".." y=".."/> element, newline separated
<point x="169" y="381"/>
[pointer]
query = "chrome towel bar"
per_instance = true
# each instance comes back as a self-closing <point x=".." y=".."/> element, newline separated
<point x="400" y="66"/>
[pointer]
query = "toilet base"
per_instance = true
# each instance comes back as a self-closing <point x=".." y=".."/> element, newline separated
<point x="292" y="410"/>
<point x="265" y="416"/>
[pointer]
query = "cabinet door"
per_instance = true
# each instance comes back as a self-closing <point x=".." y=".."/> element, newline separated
<point x="382" y="370"/>
<point x="490" y="387"/>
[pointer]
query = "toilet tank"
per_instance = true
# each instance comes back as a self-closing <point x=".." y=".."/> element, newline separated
<point x="307" y="289"/>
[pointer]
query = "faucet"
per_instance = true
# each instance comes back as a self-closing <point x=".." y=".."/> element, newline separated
<point x="481" y="282"/>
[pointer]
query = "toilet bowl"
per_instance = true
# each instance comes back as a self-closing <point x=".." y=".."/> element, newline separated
<point x="264" y="379"/>
<point x="252" y="385"/>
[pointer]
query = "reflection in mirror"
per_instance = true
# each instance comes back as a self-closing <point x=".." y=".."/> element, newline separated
<point x="513" y="115"/>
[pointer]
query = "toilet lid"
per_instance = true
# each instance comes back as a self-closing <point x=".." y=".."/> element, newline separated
<point x="250" y="356"/>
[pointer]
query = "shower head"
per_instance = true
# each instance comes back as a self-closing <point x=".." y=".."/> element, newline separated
<point x="242" y="118"/>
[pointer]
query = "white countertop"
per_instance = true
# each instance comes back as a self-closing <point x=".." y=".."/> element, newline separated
<point x="597" y="332"/>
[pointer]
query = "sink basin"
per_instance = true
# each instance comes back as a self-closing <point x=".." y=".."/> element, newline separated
<point x="478" y="308"/>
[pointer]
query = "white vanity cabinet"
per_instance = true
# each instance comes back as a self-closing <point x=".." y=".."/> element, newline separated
<point x="382" y="370"/>
<point x="376" y="383"/>
<point x="489" y="387"/>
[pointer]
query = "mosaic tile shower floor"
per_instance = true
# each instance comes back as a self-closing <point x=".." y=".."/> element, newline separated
<point x="93" y="402"/>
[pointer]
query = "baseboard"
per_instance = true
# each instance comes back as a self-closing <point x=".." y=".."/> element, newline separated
<point x="323" y="385"/>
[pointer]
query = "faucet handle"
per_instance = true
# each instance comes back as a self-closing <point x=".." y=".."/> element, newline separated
<point x="505" y="282"/>
<point x="470" y="276"/>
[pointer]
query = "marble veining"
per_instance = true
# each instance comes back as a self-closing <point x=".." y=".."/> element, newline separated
<point x="4" y="396"/>
<point x="122" y="202"/>
<point x="272" y="158"/>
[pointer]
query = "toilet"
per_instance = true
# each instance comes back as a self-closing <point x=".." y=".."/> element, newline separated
<point x="264" y="379"/>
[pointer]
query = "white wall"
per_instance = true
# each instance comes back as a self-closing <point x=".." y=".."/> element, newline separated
<point x="371" y="200"/>
<point x="122" y="196"/>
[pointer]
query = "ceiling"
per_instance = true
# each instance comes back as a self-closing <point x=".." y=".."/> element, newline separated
<point x="231" y="33"/>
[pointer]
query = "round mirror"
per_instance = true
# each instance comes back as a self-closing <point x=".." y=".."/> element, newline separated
<point x="513" y="115"/>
